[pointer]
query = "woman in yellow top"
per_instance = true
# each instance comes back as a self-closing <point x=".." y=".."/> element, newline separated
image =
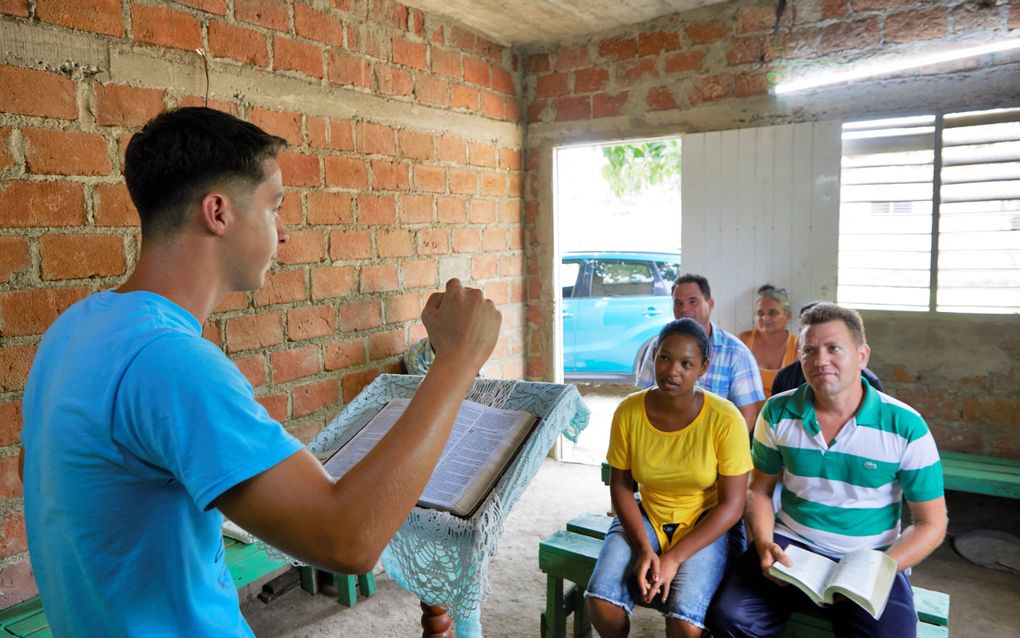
<point x="772" y="345"/>
<point x="689" y="452"/>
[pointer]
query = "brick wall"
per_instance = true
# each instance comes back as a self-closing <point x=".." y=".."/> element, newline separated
<point x="710" y="69"/>
<point x="404" y="169"/>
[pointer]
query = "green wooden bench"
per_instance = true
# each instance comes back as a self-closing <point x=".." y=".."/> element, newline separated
<point x="347" y="585"/>
<point x="247" y="564"/>
<point x="569" y="555"/>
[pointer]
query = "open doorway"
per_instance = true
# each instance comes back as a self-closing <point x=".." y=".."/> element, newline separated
<point x="618" y="223"/>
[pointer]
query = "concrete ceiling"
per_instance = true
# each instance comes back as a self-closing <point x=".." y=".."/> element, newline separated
<point x="525" y="22"/>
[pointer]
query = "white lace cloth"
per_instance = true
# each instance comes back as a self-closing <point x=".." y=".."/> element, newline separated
<point x="439" y="557"/>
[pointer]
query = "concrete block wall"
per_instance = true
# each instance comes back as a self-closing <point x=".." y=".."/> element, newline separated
<point x="404" y="169"/>
<point x="710" y="69"/>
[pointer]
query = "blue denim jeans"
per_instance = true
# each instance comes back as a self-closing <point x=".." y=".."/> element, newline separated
<point x="691" y="590"/>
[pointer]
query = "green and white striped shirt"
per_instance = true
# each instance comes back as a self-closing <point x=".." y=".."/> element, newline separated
<point x="846" y="496"/>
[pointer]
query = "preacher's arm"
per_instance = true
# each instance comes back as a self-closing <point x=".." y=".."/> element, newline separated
<point x="924" y="535"/>
<point x="761" y="518"/>
<point x="343" y="526"/>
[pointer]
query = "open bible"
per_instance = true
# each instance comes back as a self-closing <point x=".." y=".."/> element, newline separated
<point x="864" y="576"/>
<point x="481" y="445"/>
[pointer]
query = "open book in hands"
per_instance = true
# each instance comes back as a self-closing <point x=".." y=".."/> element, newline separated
<point x="481" y="446"/>
<point x="864" y="576"/>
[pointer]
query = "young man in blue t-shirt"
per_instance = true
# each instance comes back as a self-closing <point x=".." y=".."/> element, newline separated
<point x="138" y="432"/>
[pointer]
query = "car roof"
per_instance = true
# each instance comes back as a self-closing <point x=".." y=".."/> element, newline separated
<point x="619" y="254"/>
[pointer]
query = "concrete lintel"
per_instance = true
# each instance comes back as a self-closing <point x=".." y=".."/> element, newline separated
<point x="44" y="47"/>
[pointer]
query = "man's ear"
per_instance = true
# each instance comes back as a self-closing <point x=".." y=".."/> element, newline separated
<point x="215" y="213"/>
<point x="711" y="303"/>
<point x="865" y="353"/>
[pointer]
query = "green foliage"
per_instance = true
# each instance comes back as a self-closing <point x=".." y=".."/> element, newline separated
<point x="634" y="167"/>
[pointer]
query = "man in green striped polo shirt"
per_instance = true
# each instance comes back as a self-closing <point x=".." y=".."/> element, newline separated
<point x="845" y="456"/>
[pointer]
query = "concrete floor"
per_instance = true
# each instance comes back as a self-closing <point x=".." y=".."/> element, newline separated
<point x="985" y="603"/>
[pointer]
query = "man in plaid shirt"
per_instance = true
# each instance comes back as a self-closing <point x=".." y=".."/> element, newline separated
<point x="732" y="371"/>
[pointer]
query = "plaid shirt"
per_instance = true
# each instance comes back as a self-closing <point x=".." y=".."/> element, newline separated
<point x="732" y="371"/>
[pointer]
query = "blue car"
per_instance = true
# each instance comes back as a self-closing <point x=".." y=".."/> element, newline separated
<point x="614" y="305"/>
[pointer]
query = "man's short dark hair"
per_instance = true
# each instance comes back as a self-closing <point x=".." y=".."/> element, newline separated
<point x="181" y="153"/>
<point x="824" y="312"/>
<point x="687" y="327"/>
<point x="689" y="278"/>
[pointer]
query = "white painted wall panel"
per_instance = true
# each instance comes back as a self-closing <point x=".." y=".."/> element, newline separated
<point x="761" y="206"/>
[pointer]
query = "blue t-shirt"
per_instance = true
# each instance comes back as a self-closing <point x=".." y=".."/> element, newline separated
<point x="133" y="425"/>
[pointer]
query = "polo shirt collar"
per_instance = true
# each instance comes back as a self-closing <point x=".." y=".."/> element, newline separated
<point x="801" y="405"/>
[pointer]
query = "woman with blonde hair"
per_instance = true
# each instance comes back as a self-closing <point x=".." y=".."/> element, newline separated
<point x="771" y="343"/>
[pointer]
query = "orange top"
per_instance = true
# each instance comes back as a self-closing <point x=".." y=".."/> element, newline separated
<point x="767" y="375"/>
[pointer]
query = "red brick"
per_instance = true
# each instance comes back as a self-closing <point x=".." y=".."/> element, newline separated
<point x="416" y="145"/>
<point x="285" y="124"/>
<point x="447" y="63"/>
<point x="710" y="88"/>
<point x="493" y="183"/>
<point x="463" y="180"/>
<point x="98" y="16"/>
<point x="219" y="7"/>
<point x="451" y="210"/>
<point x="660" y="98"/>
<point x="463" y="39"/>
<point x="344" y="354"/>
<point x="463" y="96"/>
<point x="409" y="53"/>
<point x="390" y="80"/>
<point x="483" y="155"/>
<point x="346" y="172"/>
<point x="750" y="84"/>
<point x="312" y="397"/>
<point x="37" y="93"/>
<point x="510" y="212"/>
<point x="756" y="19"/>
<point x="477" y="72"/>
<point x="317" y="25"/>
<point x="975" y="16"/>
<point x="386" y="344"/>
<point x="119" y="105"/>
<point x="290" y="210"/>
<point x="346" y="69"/>
<point x="590" y="80"/>
<point x="452" y="149"/>
<point x="296" y="363"/>
<point x="302" y="247"/>
<point x="390" y="12"/>
<point x="12" y="534"/>
<point x="484" y="267"/>
<point x="832" y="9"/>
<point x="1014" y="16"/>
<point x="291" y="55"/>
<point x="14" y="256"/>
<point x="618" y="48"/>
<point x="268" y="13"/>
<point x="921" y="24"/>
<point x="30" y="312"/>
<point x="705" y="32"/>
<point x="377" y="209"/>
<point x="275" y="405"/>
<point x="608" y="104"/>
<point x="489" y="49"/>
<point x="429" y="178"/>
<point x="483" y="211"/>
<point x="237" y="300"/>
<point x="65" y="153"/>
<point x="350" y="244"/>
<point x="238" y="43"/>
<point x="81" y="256"/>
<point x="254" y="331"/>
<point x="329" y="208"/>
<point x="6" y="159"/>
<point x="569" y="58"/>
<point x="431" y="90"/>
<point x="685" y="61"/>
<point x="310" y="322"/>
<point x="857" y="34"/>
<point x="537" y="63"/>
<point x="397" y="242"/>
<point x="10" y="422"/>
<point x="378" y="278"/>
<point x="375" y="42"/>
<point x="657" y="42"/>
<point x="360" y="315"/>
<point x="990" y="410"/>
<point x="499" y="293"/>
<point x="572" y="108"/>
<point x="552" y="85"/>
<point x="417" y="23"/>
<point x="415" y="209"/>
<point x="285" y="286"/>
<point x="433" y="241"/>
<point x="493" y="104"/>
<point x="253" y="368"/>
<point x="876" y="5"/>
<point x="376" y="138"/>
<point x="333" y="281"/>
<point x="15" y="362"/>
<point x="753" y="49"/>
<point x="503" y="81"/>
<point x="401" y="308"/>
<point x="33" y="204"/>
<point x="354" y="383"/>
<point x="299" y="169"/>
<point x="14" y="8"/>
<point x="166" y="27"/>
<point x="467" y="240"/>
<point x="633" y="71"/>
<point x="330" y="133"/>
<point x="510" y="159"/>
<point x="423" y="273"/>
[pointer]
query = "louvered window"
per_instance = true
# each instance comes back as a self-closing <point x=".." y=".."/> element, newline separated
<point x="901" y="247"/>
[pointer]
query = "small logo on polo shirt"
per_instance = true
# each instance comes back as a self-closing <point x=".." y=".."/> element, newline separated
<point x="868" y="465"/>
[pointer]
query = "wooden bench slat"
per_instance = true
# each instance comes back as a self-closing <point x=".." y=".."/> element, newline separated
<point x="19" y="612"/>
<point x="589" y="524"/>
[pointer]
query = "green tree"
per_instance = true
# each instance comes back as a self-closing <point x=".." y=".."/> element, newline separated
<point x="632" y="168"/>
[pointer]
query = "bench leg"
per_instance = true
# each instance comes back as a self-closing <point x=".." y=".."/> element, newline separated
<point x="582" y="623"/>
<point x="346" y="589"/>
<point x="555" y="609"/>
<point x="309" y="580"/>
<point x="366" y="584"/>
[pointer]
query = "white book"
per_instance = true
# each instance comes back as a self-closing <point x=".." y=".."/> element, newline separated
<point x="864" y="576"/>
<point x="481" y="446"/>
